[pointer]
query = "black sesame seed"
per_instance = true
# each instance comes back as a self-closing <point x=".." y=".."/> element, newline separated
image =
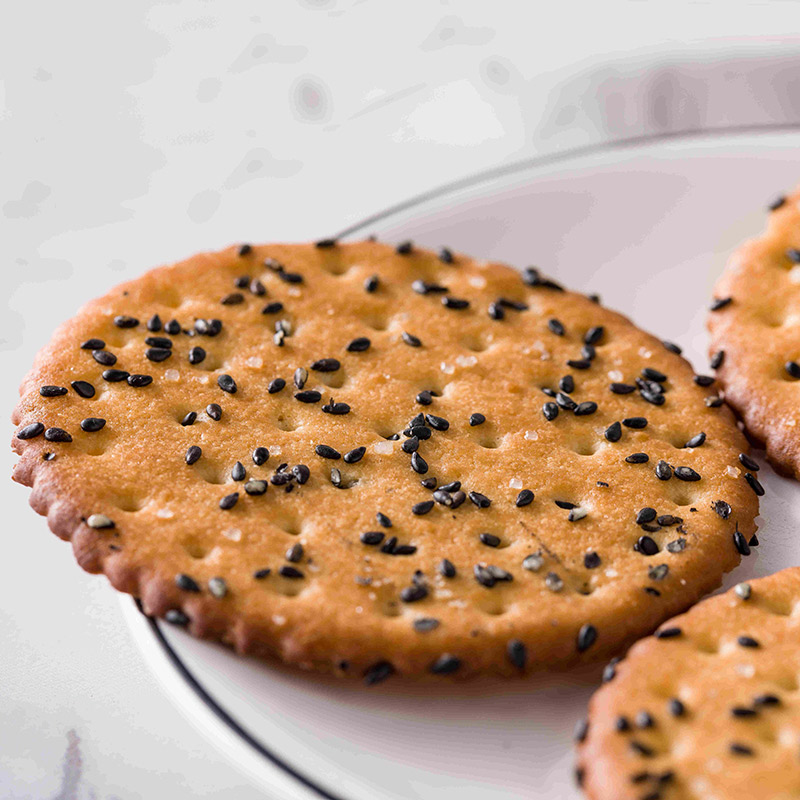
<point x="238" y="473"/>
<point x="565" y="401"/>
<point x="290" y="277"/>
<point x="295" y="553"/>
<point x="371" y="284"/>
<point x="355" y="455"/>
<point x="92" y="424"/>
<point x="115" y="375"/>
<point x="740" y="749"/>
<point x="445" y="665"/>
<point x="722" y="508"/>
<point x="372" y="537"/>
<point x="378" y="672"/>
<point x="567" y="384"/>
<point x="57" y="435"/>
<point x="517" y="653"/>
<point x="686" y="474"/>
<point x="290" y="572"/>
<point x="359" y="345"/>
<point x="749" y="463"/>
<point x="404" y="248"/>
<point x="413" y="593"/>
<point x="524" y="498"/>
<point x="676" y="707"/>
<point x="622" y="724"/>
<point x="437" y="423"/>
<point x="495" y="311"/>
<point x="53" y="391"/>
<point x="84" y="388"/>
<point x="30" y="431"/>
<point x="646" y="514"/>
<point x="717" y="359"/>
<point x="123" y="321"/>
<point x="747" y="641"/>
<point x="476" y="419"/>
<point x="668" y="633"/>
<point x="743" y="712"/>
<point x="766" y="700"/>
<point x="227" y="384"/>
<point x="550" y="411"/>
<point x="588" y="352"/>
<point x="423" y="287"/>
<point x="324" y="451"/>
<point x="637" y="423"/>
<point x="93" y="344"/>
<point x="104" y="358"/>
<point x="157" y="354"/>
<point x="585" y="408"/>
<point x="411" y="340"/>
<point x="446" y="256"/>
<point x="489" y="539"/>
<point x="193" y="454"/>
<point x="610" y="670"/>
<point x="245" y="249"/>
<point x="455" y="303"/>
<point x="754" y="484"/>
<point x="424" y="398"/>
<point x="776" y="203"/>
<point x="139" y="381"/>
<point x="308" y="396"/>
<point x="514" y="305"/>
<point x="173" y="327"/>
<point x="793" y="254"/>
<point x="232" y="299"/>
<point x="647" y="546"/>
<point x="276" y="385"/>
<point x="638" y="458"/>
<point x="613" y="432"/>
<point x="176" y="617"/>
<point x="741" y="543"/>
<point x="579" y="363"/>
<point x="720" y="303"/>
<point x="480" y="500"/>
<point x="622" y="388"/>
<point x="186" y="583"/>
<point x="422" y="508"/>
<point x="663" y="471"/>
<point x="447" y="568"/>
<point x="272" y="308"/>
<point x="652" y="374"/>
<point x="591" y="560"/>
<point x="587" y="636"/>
<point x="260" y="455"/>
<point x="229" y="501"/>
<point x="326" y="365"/>
<point x="419" y="464"/>
<point x="594" y="334"/>
<point x="556" y="327"/>
<point x="644" y="720"/>
<point x="301" y="473"/>
<point x="425" y="624"/>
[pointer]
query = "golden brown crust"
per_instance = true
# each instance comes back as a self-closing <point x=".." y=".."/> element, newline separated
<point x="758" y="333"/>
<point x="346" y="614"/>
<point x="732" y="663"/>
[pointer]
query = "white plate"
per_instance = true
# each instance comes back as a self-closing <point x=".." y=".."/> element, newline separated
<point x="649" y="227"/>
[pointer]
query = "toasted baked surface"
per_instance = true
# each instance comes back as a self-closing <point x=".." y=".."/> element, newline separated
<point x="706" y="708"/>
<point x="627" y="526"/>
<point x="754" y="324"/>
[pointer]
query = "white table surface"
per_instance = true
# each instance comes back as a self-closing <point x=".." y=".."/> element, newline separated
<point x="139" y="132"/>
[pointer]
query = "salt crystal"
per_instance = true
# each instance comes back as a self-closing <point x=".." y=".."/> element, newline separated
<point x="172" y="375"/>
<point x="478" y="281"/>
<point x="448" y="369"/>
<point x="532" y="436"/>
<point x="515" y="483"/>
<point x="611" y="573"/>
<point x="294" y="292"/>
<point x="383" y="448"/>
<point x="794" y="274"/>
<point x="644" y="352"/>
<point x="746" y="670"/>
<point x="733" y="472"/>
<point x="275" y="450"/>
<point x="165" y="513"/>
<point x="615" y="375"/>
<point x="466" y="361"/>
<point x="255" y="362"/>
<point x="234" y="534"/>
<point x="202" y="379"/>
<point x="278" y="619"/>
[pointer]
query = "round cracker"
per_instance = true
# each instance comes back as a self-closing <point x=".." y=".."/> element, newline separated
<point x="755" y="332"/>
<point x="556" y="585"/>
<point x="708" y="707"/>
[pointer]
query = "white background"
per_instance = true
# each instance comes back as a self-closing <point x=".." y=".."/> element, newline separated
<point x="134" y="133"/>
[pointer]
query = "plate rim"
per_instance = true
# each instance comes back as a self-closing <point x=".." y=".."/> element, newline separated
<point x="437" y="192"/>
